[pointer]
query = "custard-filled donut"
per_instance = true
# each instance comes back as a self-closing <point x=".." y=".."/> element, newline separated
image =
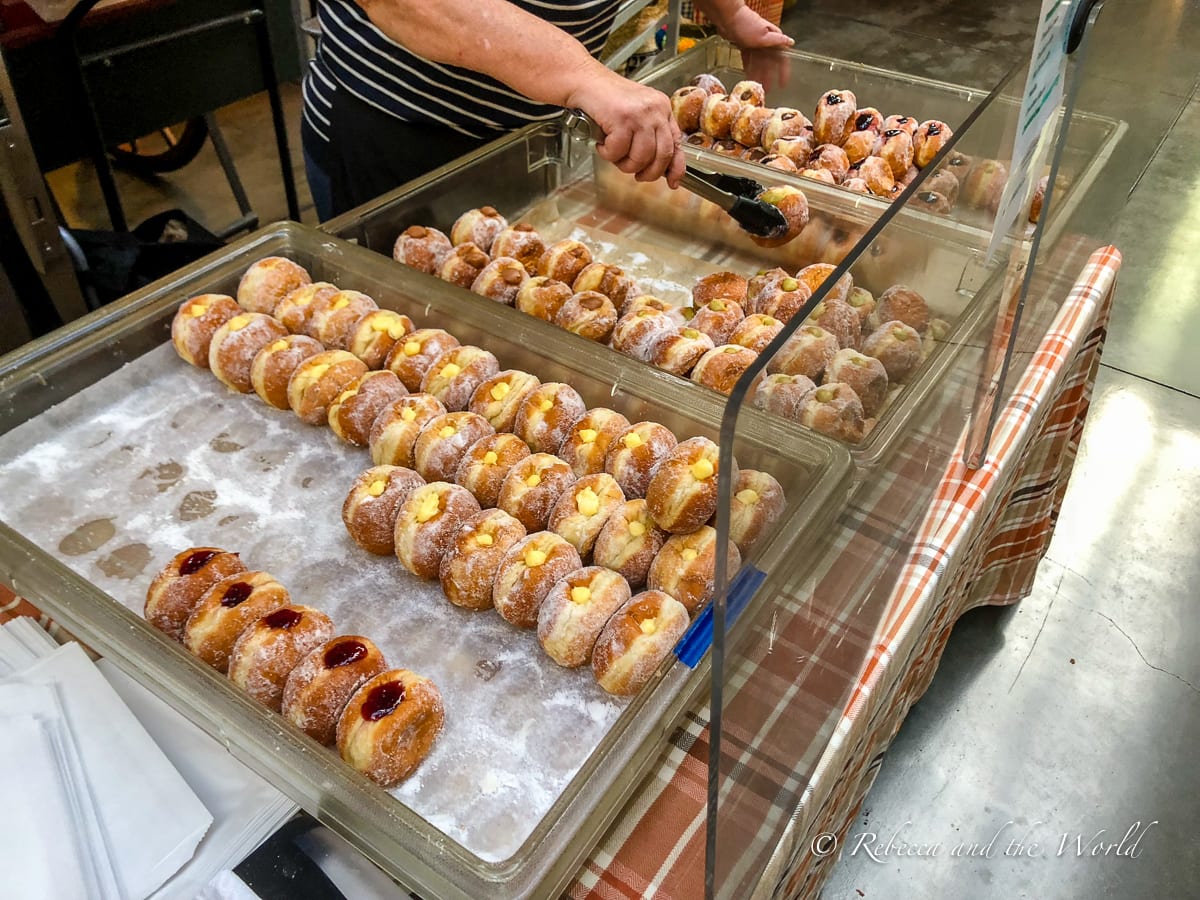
<point x="611" y="281"/>
<point x="224" y="612"/>
<point x="635" y="455"/>
<point x="427" y="524"/>
<point x="235" y="344"/>
<point x="388" y="727"/>
<point x="710" y="84"/>
<point x="564" y="260"/>
<point x="588" y="314"/>
<point x="500" y="280"/>
<point x="902" y="304"/>
<point x="718" y="319"/>
<point x="456" y="374"/>
<point x="677" y="314"/>
<point x="749" y="124"/>
<point x="333" y="318"/>
<point x="321" y="685"/>
<point x="479" y="227"/>
<point x="583" y="509"/>
<point x="274" y="364"/>
<point x="636" y="640"/>
<point x="545" y="417"/>
<point x="834" y="119"/>
<point x="296" y="309"/>
<point x="468" y="569"/>
<point x="834" y="409"/>
<point x="375" y="334"/>
<point x="412" y="357"/>
<point x="542" y="297"/>
<point x="831" y="158"/>
<point x="717" y="115"/>
<point x="499" y="398"/>
<point x="486" y="464"/>
<point x="806" y="353"/>
<point x="790" y="201"/>
<point x="359" y="405"/>
<point x="726" y="285"/>
<point x="839" y="319"/>
<point x="586" y="445"/>
<point x="317" y="382"/>
<point x="678" y="352"/>
<point x="629" y="541"/>
<point x="928" y="140"/>
<point x="575" y="612"/>
<point x="783" y="395"/>
<point x="636" y="332"/>
<point x="785" y="300"/>
<point x="815" y="275"/>
<point x="682" y="495"/>
<point x="898" y="346"/>
<point x="686" y="569"/>
<point x="463" y="264"/>
<point x="862" y="302"/>
<point x="522" y="243"/>
<point x="268" y="650"/>
<point x="896" y="149"/>
<point x="443" y="443"/>
<point x="421" y="248"/>
<point x="532" y="487"/>
<point x="756" y="331"/>
<point x="180" y="584"/>
<point x="267" y="282"/>
<point x="373" y="503"/>
<point x="757" y="503"/>
<point x="195" y="323"/>
<point x="686" y="105"/>
<point x="785" y="122"/>
<point x="530" y="568"/>
<point x="395" y="430"/>
<point x="721" y="367"/>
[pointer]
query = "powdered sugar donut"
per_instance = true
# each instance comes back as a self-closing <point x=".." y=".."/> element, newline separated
<point x="456" y="374"/>
<point x="235" y="344"/>
<point x="274" y="364"/>
<point x="635" y="454"/>
<point x="357" y="407"/>
<point x="686" y="567"/>
<point x="334" y="317"/>
<point x="629" y="541"/>
<point x="587" y="443"/>
<point x="412" y="357"/>
<point x="499" y="398"/>
<point x="373" y="503"/>
<point x="528" y="571"/>
<point x="636" y="640"/>
<point x="195" y="323"/>
<point x="522" y="243"/>
<point x="268" y="281"/>
<point x="427" y="524"/>
<point x="479" y="227"/>
<point x="442" y="443"/>
<point x="295" y="310"/>
<point x="395" y="430"/>
<point x="576" y="610"/>
<point x="469" y="567"/>
<point x="532" y="487"/>
<point x="268" y="650"/>
<point x="545" y="417"/>
<point x="321" y="685"/>
<point x="486" y="464"/>
<point x="421" y="248"/>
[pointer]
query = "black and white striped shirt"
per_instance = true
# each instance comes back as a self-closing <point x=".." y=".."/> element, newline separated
<point x="355" y="56"/>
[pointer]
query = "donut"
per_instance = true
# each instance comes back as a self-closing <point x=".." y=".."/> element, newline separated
<point x="677" y="315"/>
<point x="749" y="93"/>
<point x="902" y="304"/>
<point x="522" y="243"/>
<point x="983" y="185"/>
<point x="832" y="159"/>
<point x="394" y="431"/>
<point x="375" y="334"/>
<point x="443" y="443"/>
<point x="463" y="264"/>
<point x="859" y="146"/>
<point x="877" y="175"/>
<point x="815" y="275"/>
<point x="469" y="567"/>
<point x="682" y="495"/>
<point x="545" y="417"/>
<point x="412" y="357"/>
<point x="295" y="310"/>
<point x="1035" y="205"/>
<point x="636" y="640"/>
<point x="589" y="314"/>
<point x="587" y="443"/>
<point x="267" y="651"/>
<point x="721" y="367"/>
<point x="267" y="282"/>
<point x="321" y="685"/>
<point x="611" y="281"/>
<point x="180" y="584"/>
<point x="389" y="725"/>
<point x="357" y="407"/>
<point x="421" y="248"/>
<point x="686" y="567"/>
<point x="274" y="364"/>
<point x="806" y="353"/>
<point x="225" y="610"/>
<point x="793" y="204"/>
<point x="783" y="395"/>
<point x="373" y="503"/>
<point x="756" y="331"/>
<point x="542" y="297"/>
<point x="530" y="568"/>
<point x="958" y="165"/>
<point x="479" y="227"/>
<point x="928" y="140"/>
<point x="835" y="116"/>
<point x="318" y="381"/>
<point x="235" y="344"/>
<point x="710" y="84"/>
<point x="749" y="124"/>
<point x="857" y="185"/>
<point x="778" y="161"/>
<point x="576" y="610"/>
<point x="865" y="375"/>
<point x="718" y="319"/>
<point x="686" y="104"/>
<point x="195" y="323"/>
<point x="635" y="454"/>
<point x="427" y="524"/>
<point x="334" y="317"/>
<point x="785" y="122"/>
<point x="455" y="375"/>
<point x="820" y="175"/>
<point x="498" y="398"/>
<point x="486" y="464"/>
<point x="784" y="301"/>
<point x="757" y="503"/>
<point x="583" y="508"/>
<point x="868" y="119"/>
<point x="898" y="346"/>
<point x="699" y="139"/>
<point x="839" y="319"/>
<point x="532" y="487"/>
<point x="629" y="541"/>
<point x="717" y="115"/>
<point x="725" y="285"/>
<point x="636" y="332"/>
<point x="798" y="147"/>
<point x="896" y="149"/>
<point x="901" y="123"/>
<point x="564" y="260"/>
<point x="500" y="280"/>
<point x="678" y="351"/>
<point x="862" y="302"/>
<point x="835" y="410"/>
<point x="944" y="183"/>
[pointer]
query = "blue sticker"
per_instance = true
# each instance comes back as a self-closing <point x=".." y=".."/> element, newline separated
<point x="695" y="643"/>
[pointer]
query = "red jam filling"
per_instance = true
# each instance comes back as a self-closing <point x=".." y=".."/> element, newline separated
<point x="283" y="618"/>
<point x="196" y="561"/>
<point x="383" y="700"/>
<point x="235" y="594"/>
<point x="344" y="653"/>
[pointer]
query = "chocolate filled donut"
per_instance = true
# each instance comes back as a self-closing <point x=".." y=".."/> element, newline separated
<point x="422" y="248"/>
<point x="479" y="227"/>
<point x="542" y="297"/>
<point x="564" y="260"/>
<point x="589" y="314"/>
<point x="463" y="264"/>
<point x="500" y="280"/>
<point x="522" y="243"/>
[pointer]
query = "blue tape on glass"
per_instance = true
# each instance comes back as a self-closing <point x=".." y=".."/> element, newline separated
<point x="699" y="637"/>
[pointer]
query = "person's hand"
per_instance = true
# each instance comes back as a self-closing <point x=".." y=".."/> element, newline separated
<point x="750" y="31"/>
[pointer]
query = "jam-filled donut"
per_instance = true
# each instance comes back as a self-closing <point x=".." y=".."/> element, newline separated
<point x="783" y="395"/>
<point x="858" y="147"/>
<point x="274" y="364"/>
<point x="468" y="569"/>
<point x="319" y="380"/>
<point x="823" y="175"/>
<point x="629" y="541"/>
<point x="901" y="123"/>
<point x="757" y="503"/>
<point x="865" y="374"/>
<point x="333" y="318"/>
<point x="267" y="651"/>
<point x="375" y="334"/>
<point x="586" y="445"/>
<point x="321" y="685"/>
<point x="545" y="417"/>
<point x="749" y="124"/>
<point x="798" y="147"/>
<point x="682" y="495"/>
<point x="721" y="367"/>
<point x="195" y="323"/>
<point x="443" y="443"/>
<point x="898" y="346"/>
<point x="611" y="281"/>
<point x="235" y="344"/>
<point x="686" y="106"/>
<point x="296" y="309"/>
<point x="532" y="487"/>
<point x="542" y="297"/>
<point x="718" y="319"/>
<point x="785" y="122"/>
<point x="944" y="183"/>
<point x="806" y="353"/>
<point x="717" y="115"/>
<point x="498" y="398"/>
<point x="636" y="332"/>
<point x="530" y="568"/>
<point x="575" y="612"/>
<point x="896" y="149"/>
<point x="422" y="248"/>
<point x="500" y="280"/>
<point x="635" y="454"/>
<point x="412" y="357"/>
<point x="427" y="524"/>
<point x="834" y="119"/>
<point x="958" y="165"/>
<point x="486" y="464"/>
<point x="903" y="304"/>
<point x="455" y="375"/>
<point x="756" y="331"/>
<point x="778" y="161"/>
<point x="479" y="227"/>
<point x="395" y="430"/>
<point x="678" y="351"/>
<point x="357" y="407"/>
<point x="224" y="612"/>
<point x="583" y="509"/>
<point x="839" y="319"/>
<point x="373" y="503"/>
<point x="268" y="281"/>
<point x="790" y="201"/>
<point x="522" y="243"/>
<point x="636" y="640"/>
<point x="180" y="584"/>
<point x="564" y="260"/>
<point x="723" y="285"/>
<point x="928" y="140"/>
<point x="686" y="567"/>
<point x="815" y="275"/>
<point x="388" y="727"/>
<point x="877" y="175"/>
<point x="831" y="158"/>
<point x="708" y="83"/>
<point x="834" y="409"/>
<point x="463" y="264"/>
<point x="589" y="314"/>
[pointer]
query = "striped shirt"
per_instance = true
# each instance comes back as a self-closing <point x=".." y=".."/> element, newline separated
<point x="355" y="56"/>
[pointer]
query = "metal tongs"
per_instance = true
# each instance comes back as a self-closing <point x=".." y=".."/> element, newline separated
<point x="735" y="194"/>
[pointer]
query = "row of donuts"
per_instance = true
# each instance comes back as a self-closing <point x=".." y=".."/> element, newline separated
<point x="338" y="689"/>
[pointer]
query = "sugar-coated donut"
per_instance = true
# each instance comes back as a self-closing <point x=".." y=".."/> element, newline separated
<point x="427" y="524"/>
<point x="412" y="357"/>
<point x="388" y="727"/>
<point x="686" y="105"/>
<point x="375" y="334"/>
<point x="785" y="122"/>
<point x="718" y="318"/>
<point x="757" y="503"/>
<point x="443" y="443"/>
<point x="274" y="364"/>
<point x="721" y="367"/>
<point x="984" y="184"/>
<point x="832" y="159"/>
<point x="677" y="314"/>
<point x="790" y="201"/>
<point x="373" y="503"/>
<point x="334" y="317"/>
<point x="815" y="275"/>
<point x="636" y="332"/>
<point x="500" y="280"/>
<point x="686" y="567"/>
<point x="682" y="495"/>
<point x="958" y="165"/>
<point x="756" y="331"/>
<point x="583" y="508"/>
<point x="806" y="353"/>
<point x="611" y="281"/>
<point x="564" y="260"/>
<point x="903" y="304"/>
<point x="945" y="183"/>
<point x="834" y="119"/>
<point x="530" y="568"/>
<point x="180" y="584"/>
<point x="421" y="248"/>
<point x="928" y="140"/>
<point x="839" y="319"/>
<point x="468" y="569"/>
<point x="635" y="454"/>
<point x="576" y="610"/>
<point x="710" y="84"/>
<point x="898" y="346"/>
<point x="783" y="395"/>
<point x="587" y="443"/>
<point x="629" y="541"/>
<point x="357" y="407"/>
<point x="486" y="464"/>
<point x="859" y="146"/>
<point x="798" y="147"/>
<point x="865" y="374"/>
<point x="478" y="227"/>
<point x="456" y="374"/>
<point x="235" y="344"/>
<point x="636" y="640"/>
<point x="195" y="323"/>
<point x="717" y="115"/>
<point x="903" y="123"/>
<point x="498" y="398"/>
<point x="725" y="285"/>
<point x="267" y="651"/>
<point x="834" y="409"/>
<point x="749" y="93"/>
<point x="824" y="175"/>
<point x="678" y="351"/>
<point x="749" y="124"/>
<point x="896" y="149"/>
<point x="522" y="243"/>
<point x="317" y="381"/>
<point x="268" y="281"/>
<point x="862" y="302"/>
<point x="877" y="175"/>
<point x="532" y="487"/>
<point x="778" y="161"/>
<point x="546" y="415"/>
<point x="785" y="300"/>
<point x="225" y="610"/>
<point x="321" y="685"/>
<point x="296" y="309"/>
<point x="589" y="314"/>
<point x="542" y="297"/>
<point x="395" y="430"/>
<point x="463" y="264"/>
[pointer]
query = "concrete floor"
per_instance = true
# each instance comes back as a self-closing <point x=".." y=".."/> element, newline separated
<point x="1078" y="710"/>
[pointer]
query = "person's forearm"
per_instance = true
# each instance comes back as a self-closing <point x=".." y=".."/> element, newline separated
<point x="719" y="11"/>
